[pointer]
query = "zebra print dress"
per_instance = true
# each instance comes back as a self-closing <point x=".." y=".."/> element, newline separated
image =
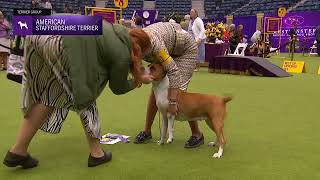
<point x="46" y="80"/>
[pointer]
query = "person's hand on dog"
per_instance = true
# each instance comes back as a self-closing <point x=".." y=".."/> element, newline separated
<point x="173" y="109"/>
<point x="173" y="103"/>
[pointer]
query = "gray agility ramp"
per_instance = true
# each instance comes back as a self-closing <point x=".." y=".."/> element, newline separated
<point x="246" y="65"/>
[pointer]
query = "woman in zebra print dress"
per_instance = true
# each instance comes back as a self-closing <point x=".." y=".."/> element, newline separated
<point x="69" y="73"/>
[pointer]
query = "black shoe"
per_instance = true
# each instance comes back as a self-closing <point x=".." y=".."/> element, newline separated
<point x="194" y="142"/>
<point x="143" y="137"/>
<point x="13" y="160"/>
<point x="93" y="161"/>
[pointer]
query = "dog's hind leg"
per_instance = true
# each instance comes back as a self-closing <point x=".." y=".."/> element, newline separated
<point x="209" y="123"/>
<point x="215" y="122"/>
<point x="218" y="128"/>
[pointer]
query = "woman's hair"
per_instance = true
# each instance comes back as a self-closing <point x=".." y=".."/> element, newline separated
<point x="141" y="38"/>
<point x="232" y="27"/>
<point x="196" y="12"/>
<point x="141" y="43"/>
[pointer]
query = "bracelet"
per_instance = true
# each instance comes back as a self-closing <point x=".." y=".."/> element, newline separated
<point x="172" y="103"/>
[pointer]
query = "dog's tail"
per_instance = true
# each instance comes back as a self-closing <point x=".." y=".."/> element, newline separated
<point x="227" y="98"/>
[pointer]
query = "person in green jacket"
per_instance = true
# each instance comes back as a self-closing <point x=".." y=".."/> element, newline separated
<point x="65" y="73"/>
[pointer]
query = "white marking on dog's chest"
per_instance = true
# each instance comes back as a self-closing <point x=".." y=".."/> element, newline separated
<point x="160" y="90"/>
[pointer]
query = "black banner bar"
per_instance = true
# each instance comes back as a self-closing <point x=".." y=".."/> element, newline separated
<point x="32" y="12"/>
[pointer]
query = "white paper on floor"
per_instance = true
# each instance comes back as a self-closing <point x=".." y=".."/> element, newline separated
<point x="113" y="138"/>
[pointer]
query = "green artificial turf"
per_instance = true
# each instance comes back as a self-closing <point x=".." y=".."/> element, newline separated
<point x="272" y="130"/>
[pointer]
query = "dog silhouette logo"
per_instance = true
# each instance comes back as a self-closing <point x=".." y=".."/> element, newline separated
<point x="23" y="25"/>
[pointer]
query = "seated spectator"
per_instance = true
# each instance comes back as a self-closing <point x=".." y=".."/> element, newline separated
<point x="245" y="39"/>
<point x="233" y="38"/>
<point x="67" y="8"/>
<point x="34" y="4"/>
<point x="256" y="36"/>
<point x="239" y="34"/>
<point x="138" y="22"/>
<point x="226" y="34"/>
<point x="48" y="5"/>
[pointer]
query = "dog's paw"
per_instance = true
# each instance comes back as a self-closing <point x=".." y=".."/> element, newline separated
<point x="160" y="142"/>
<point x="211" y="144"/>
<point x="170" y="140"/>
<point x="217" y="155"/>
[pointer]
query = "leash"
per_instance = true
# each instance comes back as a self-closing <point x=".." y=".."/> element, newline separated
<point x="5" y="46"/>
<point x="159" y="118"/>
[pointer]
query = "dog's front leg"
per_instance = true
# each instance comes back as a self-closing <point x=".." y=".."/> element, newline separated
<point x="163" y="130"/>
<point x="170" y="128"/>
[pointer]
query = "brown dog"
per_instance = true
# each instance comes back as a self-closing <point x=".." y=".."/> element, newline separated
<point x="192" y="106"/>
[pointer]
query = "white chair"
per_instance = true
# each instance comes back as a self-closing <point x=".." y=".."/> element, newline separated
<point x="273" y="49"/>
<point x="227" y="51"/>
<point x="313" y="49"/>
<point x="242" y="47"/>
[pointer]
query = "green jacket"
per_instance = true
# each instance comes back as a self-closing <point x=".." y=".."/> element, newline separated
<point x="96" y="60"/>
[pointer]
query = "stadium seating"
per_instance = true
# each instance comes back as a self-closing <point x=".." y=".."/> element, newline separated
<point x="214" y="9"/>
<point x="310" y="5"/>
<point x="132" y="6"/>
<point x="265" y="6"/>
<point x="165" y="7"/>
<point x="226" y="7"/>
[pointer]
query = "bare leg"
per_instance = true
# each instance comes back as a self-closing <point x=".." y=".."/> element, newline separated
<point x="95" y="148"/>
<point x="97" y="155"/>
<point x="30" y="125"/>
<point x="151" y="112"/>
<point x="1" y="60"/>
<point x="5" y="60"/>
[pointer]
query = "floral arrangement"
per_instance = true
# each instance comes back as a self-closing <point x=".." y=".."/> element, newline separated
<point x="215" y="30"/>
